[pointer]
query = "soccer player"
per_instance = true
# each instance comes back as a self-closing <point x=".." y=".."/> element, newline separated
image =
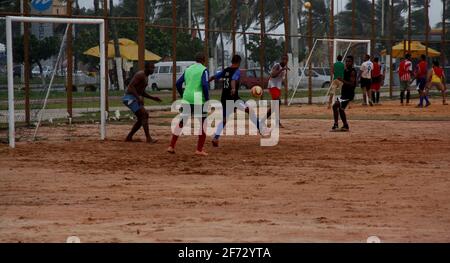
<point x="366" y="79"/>
<point x="133" y="99"/>
<point x="436" y="78"/>
<point x="405" y="71"/>
<point x="421" y="80"/>
<point x="347" y="95"/>
<point x="196" y="93"/>
<point x="377" y="79"/>
<point x="277" y="80"/>
<point x="230" y="92"/>
<point x="338" y="76"/>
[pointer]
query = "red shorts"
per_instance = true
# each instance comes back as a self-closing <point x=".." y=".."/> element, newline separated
<point x="275" y="93"/>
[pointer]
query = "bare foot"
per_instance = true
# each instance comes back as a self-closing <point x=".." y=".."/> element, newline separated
<point x="171" y="150"/>
<point x="201" y="153"/>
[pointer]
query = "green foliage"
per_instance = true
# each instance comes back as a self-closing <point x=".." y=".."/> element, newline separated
<point x="273" y="50"/>
<point x="39" y="49"/>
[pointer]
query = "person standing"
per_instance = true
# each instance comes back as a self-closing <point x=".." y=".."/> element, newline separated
<point x="196" y="94"/>
<point x="405" y="72"/>
<point x="338" y="79"/>
<point x="347" y="95"/>
<point x="133" y="99"/>
<point x="377" y="79"/>
<point x="276" y="82"/>
<point x="230" y="92"/>
<point x="421" y="80"/>
<point x="436" y="78"/>
<point x="366" y="80"/>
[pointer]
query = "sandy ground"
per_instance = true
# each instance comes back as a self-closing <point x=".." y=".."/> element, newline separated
<point x="386" y="177"/>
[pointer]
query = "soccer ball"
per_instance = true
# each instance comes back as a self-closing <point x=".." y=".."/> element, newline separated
<point x="257" y="91"/>
<point x="307" y="5"/>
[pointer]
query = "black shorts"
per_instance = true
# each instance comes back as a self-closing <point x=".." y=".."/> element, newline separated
<point x="366" y="83"/>
<point x="343" y="103"/>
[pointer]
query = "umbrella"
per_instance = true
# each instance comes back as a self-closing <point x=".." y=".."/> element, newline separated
<point x="129" y="50"/>
<point x="417" y="49"/>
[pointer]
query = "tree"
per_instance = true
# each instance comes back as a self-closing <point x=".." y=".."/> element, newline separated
<point x="39" y="50"/>
<point x="276" y="50"/>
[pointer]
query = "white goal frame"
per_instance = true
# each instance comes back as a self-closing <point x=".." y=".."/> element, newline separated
<point x="335" y="54"/>
<point x="10" y="66"/>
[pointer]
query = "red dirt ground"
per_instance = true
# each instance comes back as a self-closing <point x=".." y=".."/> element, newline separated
<point x="385" y="178"/>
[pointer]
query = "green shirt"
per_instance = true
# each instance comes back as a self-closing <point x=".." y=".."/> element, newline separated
<point x="193" y="92"/>
<point x="339" y="68"/>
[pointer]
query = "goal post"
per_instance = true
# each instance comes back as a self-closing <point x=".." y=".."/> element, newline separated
<point x="10" y="66"/>
<point x="336" y="42"/>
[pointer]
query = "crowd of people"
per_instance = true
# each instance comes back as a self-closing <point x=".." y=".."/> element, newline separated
<point x="193" y="87"/>
<point x="371" y="78"/>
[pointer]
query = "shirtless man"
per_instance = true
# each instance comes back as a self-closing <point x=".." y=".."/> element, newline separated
<point x="134" y="100"/>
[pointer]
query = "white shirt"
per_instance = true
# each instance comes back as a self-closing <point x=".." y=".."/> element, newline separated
<point x="278" y="81"/>
<point x="366" y="70"/>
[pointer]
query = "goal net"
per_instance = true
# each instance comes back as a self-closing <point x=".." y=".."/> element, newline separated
<point x="46" y="111"/>
<point x="322" y="56"/>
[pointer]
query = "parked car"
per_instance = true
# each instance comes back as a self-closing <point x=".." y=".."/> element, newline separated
<point x="252" y="77"/>
<point x="249" y="79"/>
<point x="162" y="77"/>
<point x="46" y="71"/>
<point x="320" y="77"/>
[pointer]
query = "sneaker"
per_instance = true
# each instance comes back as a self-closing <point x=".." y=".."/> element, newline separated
<point x="345" y="129"/>
<point x="215" y="143"/>
<point x="171" y="150"/>
<point x="201" y="153"/>
<point x="335" y="128"/>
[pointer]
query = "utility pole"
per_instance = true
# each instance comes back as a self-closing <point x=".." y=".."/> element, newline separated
<point x="141" y="33"/>
<point x="262" y="53"/>
<point x="286" y="46"/>
<point x="391" y="27"/>
<point x="443" y="33"/>
<point x="69" y="52"/>
<point x="310" y="47"/>
<point x="294" y="49"/>
<point x="427" y="26"/>
<point x="174" y="50"/>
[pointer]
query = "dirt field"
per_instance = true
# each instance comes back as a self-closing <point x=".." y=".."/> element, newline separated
<point x="386" y="177"/>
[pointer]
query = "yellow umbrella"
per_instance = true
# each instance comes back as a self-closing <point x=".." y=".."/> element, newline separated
<point x="417" y="49"/>
<point x="129" y="50"/>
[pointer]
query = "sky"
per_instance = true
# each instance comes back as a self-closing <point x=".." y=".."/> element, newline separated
<point x="435" y="10"/>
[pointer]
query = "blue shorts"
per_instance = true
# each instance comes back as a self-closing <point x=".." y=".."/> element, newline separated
<point x="132" y="103"/>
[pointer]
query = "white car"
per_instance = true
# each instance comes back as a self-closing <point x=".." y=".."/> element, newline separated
<point x="320" y="78"/>
<point x="162" y="77"/>
<point x="46" y="71"/>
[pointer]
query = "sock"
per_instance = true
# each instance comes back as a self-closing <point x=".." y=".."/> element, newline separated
<point x="174" y="141"/>
<point x="201" y="142"/>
